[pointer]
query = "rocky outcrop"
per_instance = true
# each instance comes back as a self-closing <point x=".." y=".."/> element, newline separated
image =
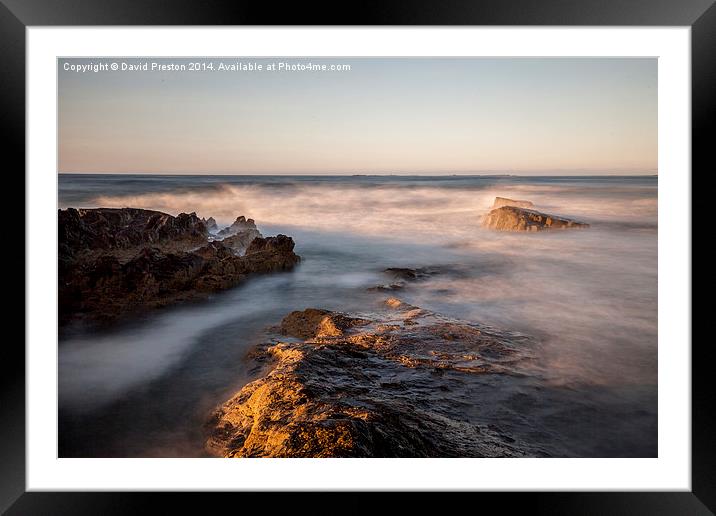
<point x="386" y="384"/>
<point x="239" y="235"/>
<point x="210" y="224"/>
<point x="119" y="261"/>
<point x="239" y="225"/>
<point x="123" y="228"/>
<point x="510" y="218"/>
<point x="240" y="241"/>
<point x="504" y="201"/>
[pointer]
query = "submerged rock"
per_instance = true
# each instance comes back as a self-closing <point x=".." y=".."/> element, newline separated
<point x="403" y="273"/>
<point x="388" y="384"/>
<point x="504" y="201"/>
<point x="401" y="276"/>
<point x="119" y="261"/>
<point x="510" y="218"/>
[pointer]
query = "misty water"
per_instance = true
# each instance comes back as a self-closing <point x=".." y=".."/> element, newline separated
<point x="588" y="297"/>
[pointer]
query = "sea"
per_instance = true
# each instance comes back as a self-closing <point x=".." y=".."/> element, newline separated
<point x="588" y="298"/>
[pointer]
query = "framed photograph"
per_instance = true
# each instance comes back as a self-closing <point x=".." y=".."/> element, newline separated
<point x="435" y="250"/>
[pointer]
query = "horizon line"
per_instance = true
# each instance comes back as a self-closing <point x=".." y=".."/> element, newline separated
<point x="372" y="174"/>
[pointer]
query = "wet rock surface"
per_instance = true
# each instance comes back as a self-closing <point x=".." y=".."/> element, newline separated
<point x="389" y="383"/>
<point x="510" y="218"/>
<point x="113" y="262"/>
<point x="314" y="322"/>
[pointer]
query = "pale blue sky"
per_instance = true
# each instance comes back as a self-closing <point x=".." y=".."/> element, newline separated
<point x="385" y="115"/>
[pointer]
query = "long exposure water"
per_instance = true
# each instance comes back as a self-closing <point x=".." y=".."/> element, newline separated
<point x="589" y="297"/>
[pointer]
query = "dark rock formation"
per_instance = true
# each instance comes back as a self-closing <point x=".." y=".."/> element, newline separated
<point x="509" y="218"/>
<point x="391" y="384"/>
<point x="210" y="224"/>
<point x="504" y="201"/>
<point x="123" y="228"/>
<point x="240" y="224"/>
<point x="270" y="244"/>
<point x="240" y="241"/>
<point x="402" y="275"/>
<point x="119" y="261"/>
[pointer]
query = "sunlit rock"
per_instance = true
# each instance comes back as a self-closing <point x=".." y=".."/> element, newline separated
<point x="387" y="384"/>
<point x="510" y="218"/>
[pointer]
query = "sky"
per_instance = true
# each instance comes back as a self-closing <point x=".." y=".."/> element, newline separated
<point x="382" y="116"/>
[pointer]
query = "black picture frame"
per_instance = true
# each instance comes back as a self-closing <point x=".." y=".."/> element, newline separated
<point x="17" y="15"/>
